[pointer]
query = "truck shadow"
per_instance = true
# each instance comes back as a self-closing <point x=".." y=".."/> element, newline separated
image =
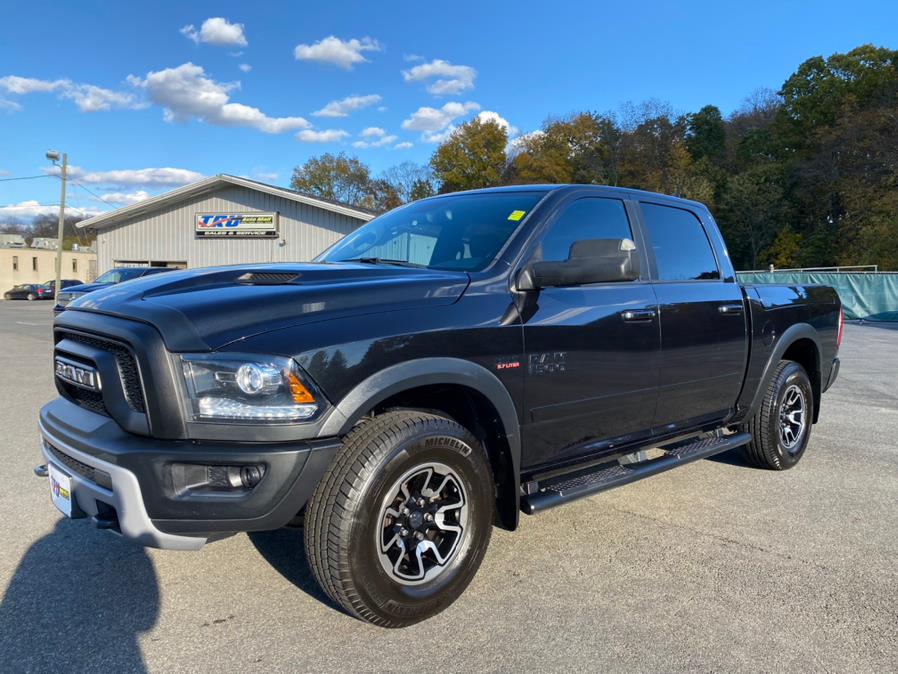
<point x="284" y="550"/>
<point x="734" y="457"/>
<point x="78" y="602"/>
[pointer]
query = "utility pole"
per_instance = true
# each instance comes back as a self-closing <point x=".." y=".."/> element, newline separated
<point x="54" y="156"/>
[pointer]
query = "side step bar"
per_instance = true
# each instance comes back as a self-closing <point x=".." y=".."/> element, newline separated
<point x="573" y="486"/>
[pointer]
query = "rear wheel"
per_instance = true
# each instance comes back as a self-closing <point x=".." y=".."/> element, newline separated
<point x="31" y="297"/>
<point x="781" y="428"/>
<point x="399" y="524"/>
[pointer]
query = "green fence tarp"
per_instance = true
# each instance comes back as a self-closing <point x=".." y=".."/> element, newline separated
<point x="869" y="296"/>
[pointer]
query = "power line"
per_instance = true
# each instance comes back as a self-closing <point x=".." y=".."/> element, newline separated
<point x="96" y="196"/>
<point x="5" y="180"/>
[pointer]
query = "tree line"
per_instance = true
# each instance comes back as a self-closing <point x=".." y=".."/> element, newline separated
<point x="805" y="176"/>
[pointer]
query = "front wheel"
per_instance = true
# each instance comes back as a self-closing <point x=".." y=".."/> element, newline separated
<point x="781" y="428"/>
<point x="31" y="297"/>
<point x="399" y="524"/>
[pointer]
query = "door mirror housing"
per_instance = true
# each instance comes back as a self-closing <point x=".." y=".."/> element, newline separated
<point x="589" y="261"/>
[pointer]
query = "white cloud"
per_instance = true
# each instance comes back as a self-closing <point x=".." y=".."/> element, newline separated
<point x="346" y="105"/>
<point x="412" y="58"/>
<point x="88" y="97"/>
<point x="438" y="136"/>
<point x="341" y="53"/>
<point x="186" y="92"/>
<point x="373" y="132"/>
<point x="145" y="177"/>
<point x="404" y="145"/>
<point x="33" y="208"/>
<point x="266" y="176"/>
<point x="125" y="198"/>
<point x="430" y="120"/>
<point x="450" y="79"/>
<point x="9" y="106"/>
<point x="515" y="145"/>
<point x="217" y="31"/>
<point x="490" y="116"/>
<point x="383" y="141"/>
<point x="325" y="136"/>
<point x="245" y="67"/>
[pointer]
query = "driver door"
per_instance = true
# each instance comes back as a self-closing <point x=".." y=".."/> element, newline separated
<point x="592" y="350"/>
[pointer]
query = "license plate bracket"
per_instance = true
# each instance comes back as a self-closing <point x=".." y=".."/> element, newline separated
<point x="61" y="492"/>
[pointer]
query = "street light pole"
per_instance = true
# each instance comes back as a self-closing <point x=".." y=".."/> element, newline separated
<point x="65" y="166"/>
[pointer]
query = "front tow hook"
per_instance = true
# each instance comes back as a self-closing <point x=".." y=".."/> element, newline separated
<point x="41" y="470"/>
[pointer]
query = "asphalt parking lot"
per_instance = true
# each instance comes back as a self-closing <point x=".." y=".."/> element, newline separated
<point x="714" y="567"/>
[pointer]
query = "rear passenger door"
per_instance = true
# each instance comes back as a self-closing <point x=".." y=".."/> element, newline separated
<point x="703" y="334"/>
<point x="591" y="349"/>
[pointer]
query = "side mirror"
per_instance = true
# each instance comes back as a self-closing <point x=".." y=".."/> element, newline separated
<point x="589" y="261"/>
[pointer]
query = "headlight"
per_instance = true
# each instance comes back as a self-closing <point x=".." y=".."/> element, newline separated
<point x="248" y="388"/>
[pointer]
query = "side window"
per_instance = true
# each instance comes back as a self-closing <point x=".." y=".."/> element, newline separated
<point x="591" y="218"/>
<point x="682" y="249"/>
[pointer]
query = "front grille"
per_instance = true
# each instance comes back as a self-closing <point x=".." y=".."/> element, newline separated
<point x="127" y="370"/>
<point x="89" y="400"/>
<point x="90" y="473"/>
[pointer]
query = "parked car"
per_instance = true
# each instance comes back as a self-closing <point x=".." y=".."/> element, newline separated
<point x="465" y="356"/>
<point x="50" y="287"/>
<point x="111" y="277"/>
<point x="27" y="291"/>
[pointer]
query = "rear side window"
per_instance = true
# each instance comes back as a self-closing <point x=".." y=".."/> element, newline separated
<point x="682" y="249"/>
<point x="591" y="218"/>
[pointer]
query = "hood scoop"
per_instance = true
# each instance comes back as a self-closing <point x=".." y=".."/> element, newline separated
<point x="267" y="278"/>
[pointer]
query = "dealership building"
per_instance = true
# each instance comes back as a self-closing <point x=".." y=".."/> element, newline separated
<point x="220" y="220"/>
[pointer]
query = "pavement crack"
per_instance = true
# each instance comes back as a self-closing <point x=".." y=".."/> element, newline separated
<point x="723" y="539"/>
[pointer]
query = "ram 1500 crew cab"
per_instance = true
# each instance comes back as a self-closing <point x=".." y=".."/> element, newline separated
<point x="451" y="363"/>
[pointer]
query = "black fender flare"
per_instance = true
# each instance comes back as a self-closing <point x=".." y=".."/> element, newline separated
<point x="792" y="334"/>
<point x="423" y="372"/>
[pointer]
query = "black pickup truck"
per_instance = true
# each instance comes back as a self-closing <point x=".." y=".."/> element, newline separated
<point x="448" y="365"/>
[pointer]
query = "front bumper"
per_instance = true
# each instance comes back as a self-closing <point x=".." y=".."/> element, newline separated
<point x="127" y="479"/>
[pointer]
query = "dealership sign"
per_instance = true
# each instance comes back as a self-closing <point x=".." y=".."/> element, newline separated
<point x="237" y="225"/>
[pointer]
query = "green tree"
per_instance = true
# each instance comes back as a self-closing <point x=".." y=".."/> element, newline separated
<point x="337" y="177"/>
<point x="706" y="135"/>
<point x="473" y="156"/>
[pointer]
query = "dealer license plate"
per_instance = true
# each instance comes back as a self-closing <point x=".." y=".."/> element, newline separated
<point x="61" y="490"/>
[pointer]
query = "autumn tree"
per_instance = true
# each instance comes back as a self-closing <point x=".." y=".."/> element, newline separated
<point x="473" y="156"/>
<point x="582" y="148"/>
<point x="344" y="179"/>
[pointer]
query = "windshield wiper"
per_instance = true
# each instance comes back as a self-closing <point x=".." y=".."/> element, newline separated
<point x="385" y="260"/>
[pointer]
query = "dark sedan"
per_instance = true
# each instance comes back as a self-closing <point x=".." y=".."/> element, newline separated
<point x="28" y="291"/>
<point x="111" y="277"/>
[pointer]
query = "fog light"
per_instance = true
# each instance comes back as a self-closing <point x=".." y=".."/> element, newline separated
<point x="197" y="478"/>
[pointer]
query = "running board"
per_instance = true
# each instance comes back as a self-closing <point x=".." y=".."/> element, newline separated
<point x="570" y="487"/>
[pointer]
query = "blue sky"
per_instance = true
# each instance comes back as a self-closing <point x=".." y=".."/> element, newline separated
<point x="146" y="96"/>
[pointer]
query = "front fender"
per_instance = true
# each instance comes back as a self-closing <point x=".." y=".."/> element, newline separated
<point x="423" y="372"/>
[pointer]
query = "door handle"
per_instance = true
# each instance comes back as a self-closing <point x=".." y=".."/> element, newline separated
<point x="730" y="309"/>
<point x="638" y="315"/>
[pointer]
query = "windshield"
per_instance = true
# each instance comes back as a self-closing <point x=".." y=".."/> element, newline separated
<point x="119" y="275"/>
<point x="464" y="231"/>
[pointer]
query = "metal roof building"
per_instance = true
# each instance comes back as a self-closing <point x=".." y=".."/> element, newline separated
<point x="220" y="220"/>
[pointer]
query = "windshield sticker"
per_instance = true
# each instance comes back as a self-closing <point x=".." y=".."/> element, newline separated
<point x="516" y="215"/>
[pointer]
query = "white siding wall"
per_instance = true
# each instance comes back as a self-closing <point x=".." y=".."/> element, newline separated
<point x="168" y="235"/>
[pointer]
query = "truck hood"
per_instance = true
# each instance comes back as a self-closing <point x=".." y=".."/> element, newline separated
<point x="206" y="309"/>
